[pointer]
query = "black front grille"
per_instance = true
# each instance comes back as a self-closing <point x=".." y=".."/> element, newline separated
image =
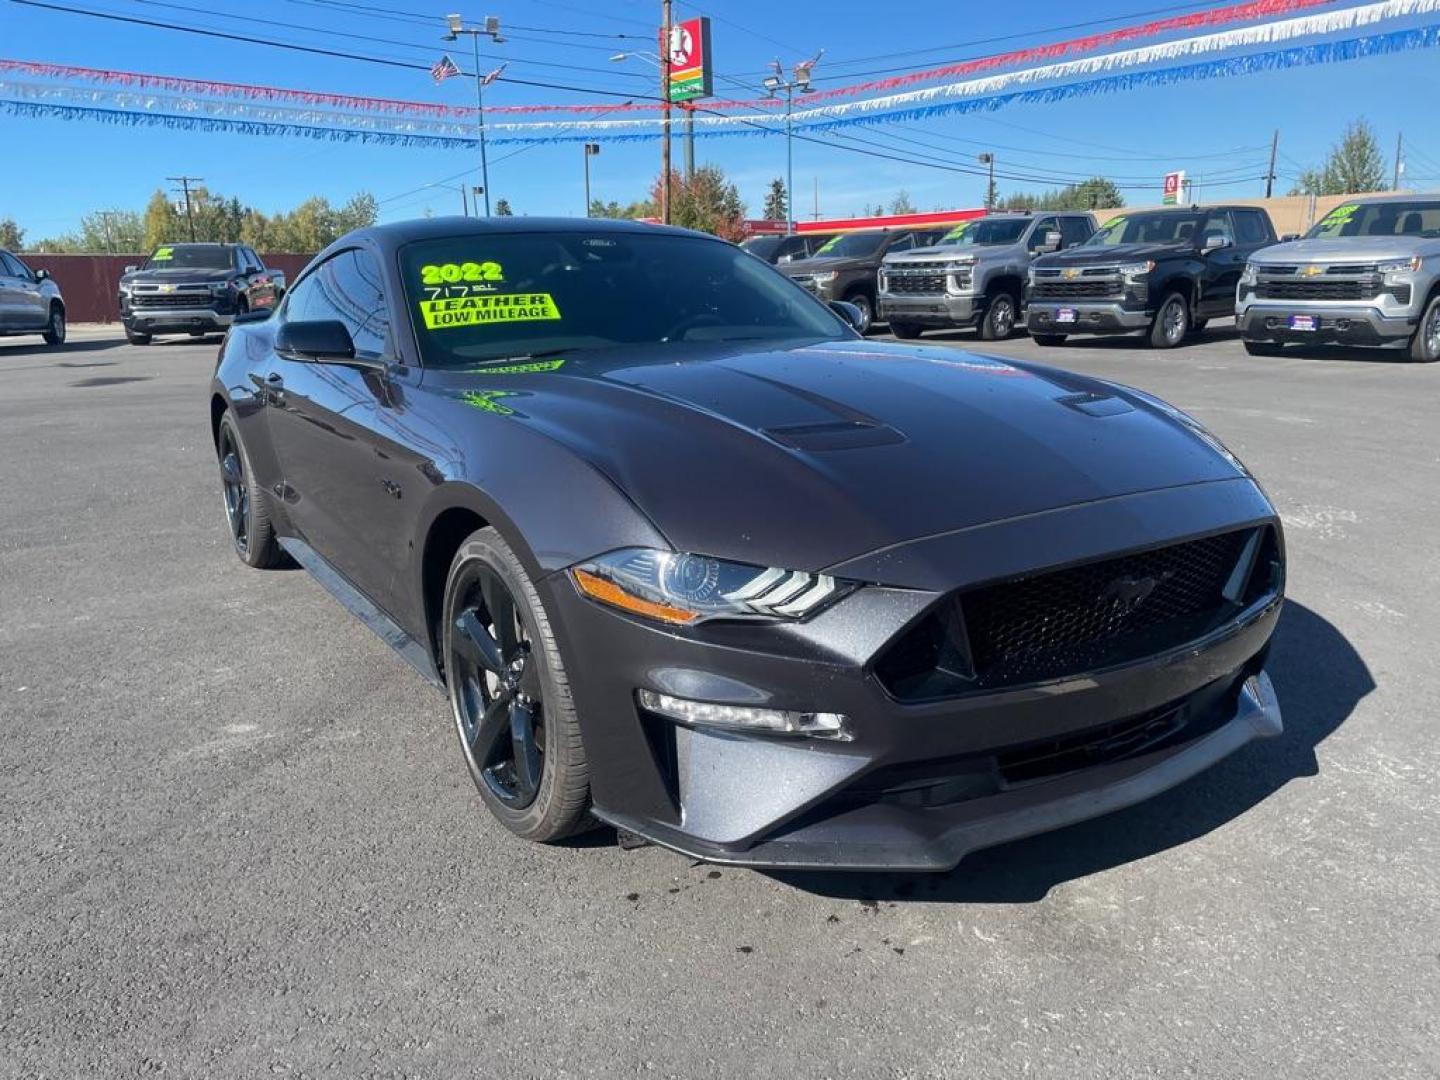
<point x="172" y="300"/>
<point x="929" y="284"/>
<point x="1316" y="289"/>
<point x="1083" y="618"/>
<point x="1077" y="290"/>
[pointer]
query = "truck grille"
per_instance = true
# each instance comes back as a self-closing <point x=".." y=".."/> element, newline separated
<point x="1077" y="290"/>
<point x="172" y="300"/>
<point x="1067" y="622"/>
<point x="1316" y="289"/>
<point x="909" y="284"/>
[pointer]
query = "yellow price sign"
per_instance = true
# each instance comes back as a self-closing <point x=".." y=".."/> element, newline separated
<point x="488" y="308"/>
<point x="163" y="254"/>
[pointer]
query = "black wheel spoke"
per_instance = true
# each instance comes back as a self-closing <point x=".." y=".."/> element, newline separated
<point x="526" y="751"/>
<point x="476" y="644"/>
<point x="502" y="613"/>
<point x="493" y="724"/>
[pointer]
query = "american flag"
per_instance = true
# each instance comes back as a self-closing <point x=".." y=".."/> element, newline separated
<point x="443" y="69"/>
<point x="488" y="79"/>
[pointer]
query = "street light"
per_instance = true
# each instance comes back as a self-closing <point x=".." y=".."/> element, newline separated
<point x="489" y="28"/>
<point x="591" y="149"/>
<point x="651" y="58"/>
<point x="989" y="159"/>
<point x="773" y="84"/>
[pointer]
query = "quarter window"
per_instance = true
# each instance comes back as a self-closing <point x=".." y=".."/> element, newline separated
<point x="1075" y="230"/>
<point x="346" y="287"/>
<point x="1251" y="227"/>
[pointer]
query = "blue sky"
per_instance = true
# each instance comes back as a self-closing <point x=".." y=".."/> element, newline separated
<point x="58" y="170"/>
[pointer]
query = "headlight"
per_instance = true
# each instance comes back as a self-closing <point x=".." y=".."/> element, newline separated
<point x="824" y="277"/>
<point x="1136" y="269"/>
<point x="1248" y="277"/>
<point x="964" y="264"/>
<point x="1401" y="266"/>
<point x="124" y="288"/>
<point x="683" y="589"/>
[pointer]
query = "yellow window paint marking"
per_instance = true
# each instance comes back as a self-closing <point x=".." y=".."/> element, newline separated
<point x="161" y="254"/>
<point x="531" y="368"/>
<point x="454" y="273"/>
<point x="1341" y="214"/>
<point x="957" y="232"/>
<point x="493" y="308"/>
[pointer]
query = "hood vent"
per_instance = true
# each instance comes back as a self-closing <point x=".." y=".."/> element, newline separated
<point x="834" y="435"/>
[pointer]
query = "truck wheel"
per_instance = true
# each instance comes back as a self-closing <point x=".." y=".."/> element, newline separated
<point x="1264" y="348"/>
<point x="1172" y="322"/>
<point x="906" y="331"/>
<point x="135" y="338"/>
<point x="999" y="321"/>
<point x="1047" y="341"/>
<point x="867" y="310"/>
<point x="1425" y="345"/>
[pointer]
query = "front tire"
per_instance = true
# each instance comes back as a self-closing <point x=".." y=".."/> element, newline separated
<point x="247" y="507"/>
<point x="1000" y="316"/>
<point x="1425" y="345"/>
<point x="906" y="331"/>
<point x="1048" y="341"/>
<point x="55" y="330"/>
<point x="867" y="310"/>
<point x="135" y="338"/>
<point x="509" y="695"/>
<point x="1172" y="322"/>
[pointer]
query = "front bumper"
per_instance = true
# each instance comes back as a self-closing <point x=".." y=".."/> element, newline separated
<point x="158" y="320"/>
<point x="1091" y="317"/>
<point x="935" y="310"/>
<point x="1336" y="324"/>
<point x="816" y="803"/>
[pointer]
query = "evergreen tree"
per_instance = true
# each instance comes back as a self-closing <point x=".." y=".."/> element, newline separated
<point x="1355" y="165"/>
<point x="777" y="202"/>
<point x="502" y="208"/>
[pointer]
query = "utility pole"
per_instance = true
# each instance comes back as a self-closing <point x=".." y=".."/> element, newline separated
<point x="185" y="182"/>
<point x="490" y="29"/>
<point x="105" y="219"/>
<point x="665" y="111"/>
<point x="989" y="159"/>
<point x="799" y="80"/>
<point x="1270" y="173"/>
<point x="1399" y="160"/>
<point x="591" y="149"/>
<point x="817" y="198"/>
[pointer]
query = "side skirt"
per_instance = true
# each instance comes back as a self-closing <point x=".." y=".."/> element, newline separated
<point x="361" y="606"/>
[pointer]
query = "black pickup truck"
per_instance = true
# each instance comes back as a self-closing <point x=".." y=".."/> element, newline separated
<point x="1165" y="273"/>
<point x="195" y="289"/>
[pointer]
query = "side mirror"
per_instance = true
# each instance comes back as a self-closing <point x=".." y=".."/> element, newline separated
<point x="42" y="275"/>
<point x="1051" y="241"/>
<point x="131" y="268"/>
<point x="1289" y="236"/>
<point x="850" y="313"/>
<point x="321" y="341"/>
<point x="1214" y="242"/>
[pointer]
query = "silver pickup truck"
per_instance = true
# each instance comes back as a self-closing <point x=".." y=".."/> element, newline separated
<point x="1367" y="274"/>
<point x="975" y="274"/>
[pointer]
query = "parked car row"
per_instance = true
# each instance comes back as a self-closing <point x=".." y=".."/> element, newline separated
<point x="30" y="301"/>
<point x="1367" y="274"/>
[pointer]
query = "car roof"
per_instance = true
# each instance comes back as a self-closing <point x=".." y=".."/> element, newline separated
<point x="396" y="234"/>
<point x="1418" y="197"/>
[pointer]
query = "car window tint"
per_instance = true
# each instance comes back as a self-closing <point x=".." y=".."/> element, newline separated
<point x="1074" y="230"/>
<point x="346" y="287"/>
<point x="10" y="265"/>
<point x="1218" y="225"/>
<point x="1251" y="227"/>
<point x="1044" y="225"/>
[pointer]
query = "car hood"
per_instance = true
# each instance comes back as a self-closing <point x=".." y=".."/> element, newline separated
<point x="1348" y="249"/>
<point x="821" y="265"/>
<point x="191" y="276"/>
<point x="1110" y="255"/>
<point x="804" y="456"/>
<point x="945" y="253"/>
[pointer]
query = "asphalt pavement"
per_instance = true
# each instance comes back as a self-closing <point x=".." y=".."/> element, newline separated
<point x="236" y="838"/>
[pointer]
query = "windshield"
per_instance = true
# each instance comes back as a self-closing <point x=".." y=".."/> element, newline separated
<point x="1379" y="219"/>
<point x="190" y="257"/>
<point x="762" y="246"/>
<point x="855" y="245"/>
<point x="986" y="233"/>
<point x="1159" y="228"/>
<point x="483" y="297"/>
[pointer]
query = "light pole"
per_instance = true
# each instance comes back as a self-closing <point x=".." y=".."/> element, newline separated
<point x="800" y="80"/>
<point x="490" y="29"/>
<point x="989" y="159"/>
<point x="591" y="149"/>
<point x="688" y="109"/>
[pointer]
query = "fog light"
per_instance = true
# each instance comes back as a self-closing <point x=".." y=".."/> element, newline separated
<point x="819" y="725"/>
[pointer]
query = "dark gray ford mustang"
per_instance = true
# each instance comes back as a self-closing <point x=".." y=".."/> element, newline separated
<point x="692" y="557"/>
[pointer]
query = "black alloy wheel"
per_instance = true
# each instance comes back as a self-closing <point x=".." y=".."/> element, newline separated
<point x="247" y="512"/>
<point x="509" y="696"/>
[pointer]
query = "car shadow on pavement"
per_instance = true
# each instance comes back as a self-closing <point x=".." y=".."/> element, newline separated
<point x="38" y="348"/>
<point x="1319" y="679"/>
